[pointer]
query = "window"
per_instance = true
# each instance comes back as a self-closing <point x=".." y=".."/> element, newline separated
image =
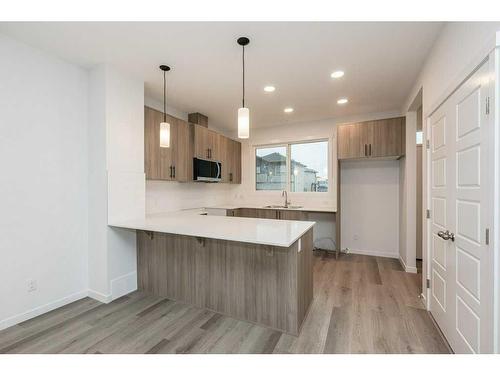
<point x="303" y="167"/>
<point x="309" y="167"/>
<point x="270" y="165"/>
<point x="420" y="137"/>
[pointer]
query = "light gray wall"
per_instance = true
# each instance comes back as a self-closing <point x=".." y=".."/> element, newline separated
<point x="370" y="207"/>
<point x="43" y="184"/>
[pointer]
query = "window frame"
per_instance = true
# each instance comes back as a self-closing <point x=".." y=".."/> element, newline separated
<point x="288" y="164"/>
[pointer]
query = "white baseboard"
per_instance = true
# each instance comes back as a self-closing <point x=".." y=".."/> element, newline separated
<point x="407" y="268"/>
<point x="123" y="285"/>
<point x="104" y="298"/>
<point x="374" y="253"/>
<point x="16" y="319"/>
<point x="119" y="287"/>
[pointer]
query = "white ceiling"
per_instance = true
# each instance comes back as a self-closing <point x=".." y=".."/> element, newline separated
<point x="381" y="62"/>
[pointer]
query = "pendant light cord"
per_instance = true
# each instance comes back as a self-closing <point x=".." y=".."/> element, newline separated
<point x="243" y="76"/>
<point x="164" y="96"/>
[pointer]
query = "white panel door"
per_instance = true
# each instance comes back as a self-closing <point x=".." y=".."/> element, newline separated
<point x="461" y="261"/>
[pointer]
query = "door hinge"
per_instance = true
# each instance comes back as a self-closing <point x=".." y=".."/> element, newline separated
<point x="427" y="144"/>
<point x="488" y="105"/>
<point x="487" y="236"/>
<point x="428" y="213"/>
<point x="428" y="283"/>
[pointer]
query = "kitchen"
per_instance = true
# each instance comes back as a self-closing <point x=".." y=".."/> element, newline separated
<point x="228" y="208"/>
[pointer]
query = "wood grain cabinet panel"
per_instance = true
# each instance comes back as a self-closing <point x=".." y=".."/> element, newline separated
<point x="371" y="139"/>
<point x="292" y="215"/>
<point x="232" y="161"/>
<point x="152" y="121"/>
<point x="235" y="163"/>
<point x="265" y="284"/>
<point x="349" y="142"/>
<point x="256" y="213"/>
<point x="206" y="143"/>
<point x="175" y="163"/>
<point x="166" y="163"/>
<point x="387" y="138"/>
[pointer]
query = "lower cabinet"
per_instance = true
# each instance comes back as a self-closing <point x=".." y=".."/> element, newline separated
<point x="256" y="213"/>
<point x="292" y="215"/>
<point x="264" y="213"/>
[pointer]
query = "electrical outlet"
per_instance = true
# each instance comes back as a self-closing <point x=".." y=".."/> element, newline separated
<point x="32" y="285"/>
<point x="356" y="237"/>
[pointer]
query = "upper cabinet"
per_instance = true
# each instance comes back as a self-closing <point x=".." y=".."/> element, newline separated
<point x="172" y="163"/>
<point x="206" y="143"/>
<point x="175" y="163"/>
<point x="232" y="166"/>
<point x="371" y="139"/>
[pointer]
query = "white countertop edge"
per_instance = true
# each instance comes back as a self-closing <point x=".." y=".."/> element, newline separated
<point x="141" y="224"/>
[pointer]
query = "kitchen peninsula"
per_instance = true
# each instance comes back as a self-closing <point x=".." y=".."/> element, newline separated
<point x="258" y="270"/>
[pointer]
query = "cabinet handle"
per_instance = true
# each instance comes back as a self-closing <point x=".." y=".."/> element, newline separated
<point x="365" y="150"/>
<point x="174" y="171"/>
<point x="210" y="153"/>
<point x="370" y="149"/>
<point x="171" y="172"/>
<point x="231" y="177"/>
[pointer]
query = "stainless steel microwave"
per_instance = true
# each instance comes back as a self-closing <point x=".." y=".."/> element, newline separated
<point x="207" y="170"/>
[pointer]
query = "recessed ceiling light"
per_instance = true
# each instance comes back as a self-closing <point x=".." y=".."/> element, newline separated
<point x="288" y="110"/>
<point x="269" y="88"/>
<point x="337" y="74"/>
<point x="342" y="101"/>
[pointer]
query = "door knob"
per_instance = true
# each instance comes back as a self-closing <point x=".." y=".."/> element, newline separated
<point x="446" y="235"/>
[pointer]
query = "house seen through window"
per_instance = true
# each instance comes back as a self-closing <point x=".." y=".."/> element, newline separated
<point x="301" y="166"/>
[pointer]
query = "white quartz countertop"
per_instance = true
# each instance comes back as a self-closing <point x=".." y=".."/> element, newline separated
<point x="306" y="208"/>
<point x="281" y="233"/>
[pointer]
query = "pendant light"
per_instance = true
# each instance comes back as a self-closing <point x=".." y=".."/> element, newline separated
<point x="164" y="126"/>
<point x="243" y="112"/>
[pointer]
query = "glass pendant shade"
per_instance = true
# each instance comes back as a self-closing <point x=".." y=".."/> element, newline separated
<point x="243" y="123"/>
<point x="164" y="134"/>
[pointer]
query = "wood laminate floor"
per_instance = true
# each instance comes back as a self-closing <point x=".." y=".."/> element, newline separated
<point x="361" y="305"/>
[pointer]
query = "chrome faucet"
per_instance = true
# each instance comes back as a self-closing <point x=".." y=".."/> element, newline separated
<point x="284" y="193"/>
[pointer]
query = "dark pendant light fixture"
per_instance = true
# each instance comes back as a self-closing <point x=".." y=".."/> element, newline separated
<point x="243" y="112"/>
<point x="164" y="126"/>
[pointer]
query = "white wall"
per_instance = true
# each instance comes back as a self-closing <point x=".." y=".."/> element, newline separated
<point x="370" y="207"/>
<point x="116" y="182"/>
<point x="43" y="184"/>
<point x="459" y="47"/>
<point x="408" y="194"/>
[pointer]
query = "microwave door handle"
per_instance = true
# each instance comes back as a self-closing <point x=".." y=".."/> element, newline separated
<point x="218" y="170"/>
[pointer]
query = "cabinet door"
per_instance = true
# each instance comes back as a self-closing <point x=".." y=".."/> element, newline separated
<point x="168" y="154"/>
<point x="183" y="156"/>
<point x="225" y="157"/>
<point x="152" y="121"/>
<point x="387" y="139"/>
<point x="215" y="141"/>
<point x="258" y="213"/>
<point x="292" y="215"/>
<point x="158" y="161"/>
<point x="235" y="162"/>
<point x="206" y="143"/>
<point x="201" y="142"/>
<point x="350" y="144"/>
